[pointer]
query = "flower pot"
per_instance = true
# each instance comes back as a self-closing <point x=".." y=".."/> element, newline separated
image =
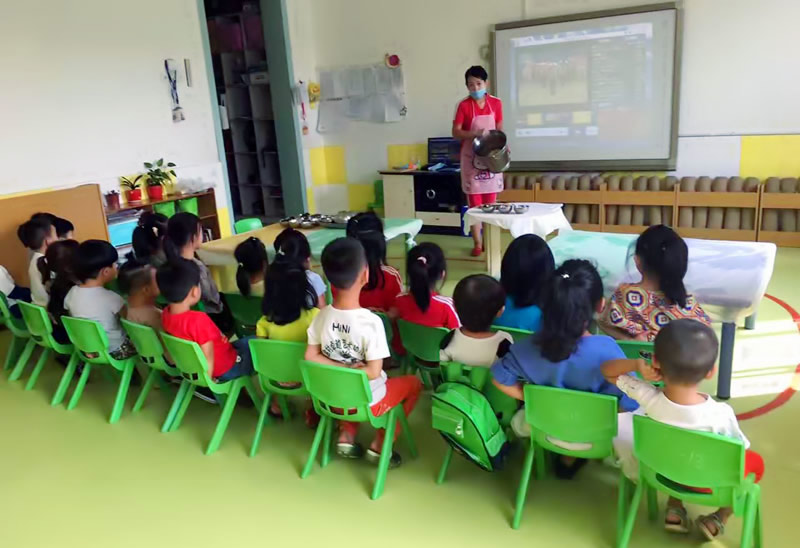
<point x="134" y="195"/>
<point x="156" y="193"/>
<point x="112" y="201"/>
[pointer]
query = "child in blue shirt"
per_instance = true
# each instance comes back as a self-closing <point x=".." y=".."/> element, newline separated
<point x="563" y="353"/>
<point x="526" y="268"/>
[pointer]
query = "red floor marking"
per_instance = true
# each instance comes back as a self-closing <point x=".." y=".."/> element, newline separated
<point x="784" y="396"/>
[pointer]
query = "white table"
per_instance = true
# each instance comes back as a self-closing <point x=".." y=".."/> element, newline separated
<point x="540" y="219"/>
<point x="728" y="278"/>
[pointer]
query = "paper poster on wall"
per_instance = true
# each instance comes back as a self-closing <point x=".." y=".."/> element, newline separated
<point x="374" y="93"/>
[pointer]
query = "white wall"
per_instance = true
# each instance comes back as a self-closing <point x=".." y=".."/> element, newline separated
<point x="741" y="71"/>
<point x="84" y="96"/>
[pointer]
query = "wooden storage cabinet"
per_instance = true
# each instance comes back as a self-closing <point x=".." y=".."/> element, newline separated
<point x="780" y="212"/>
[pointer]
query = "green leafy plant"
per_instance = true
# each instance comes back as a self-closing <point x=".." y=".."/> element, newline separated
<point x="159" y="173"/>
<point x="130" y="184"/>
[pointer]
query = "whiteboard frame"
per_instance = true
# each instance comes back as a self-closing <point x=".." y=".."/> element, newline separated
<point x="648" y="164"/>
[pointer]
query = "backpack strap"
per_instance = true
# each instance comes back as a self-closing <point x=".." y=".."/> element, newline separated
<point x="503" y="348"/>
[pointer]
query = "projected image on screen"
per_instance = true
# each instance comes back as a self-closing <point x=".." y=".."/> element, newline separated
<point x="595" y="89"/>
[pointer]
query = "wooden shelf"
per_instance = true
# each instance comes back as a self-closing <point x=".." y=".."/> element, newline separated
<point x="785" y="239"/>
<point x="171" y="198"/>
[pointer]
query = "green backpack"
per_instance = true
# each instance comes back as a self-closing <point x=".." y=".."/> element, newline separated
<point x="465" y="419"/>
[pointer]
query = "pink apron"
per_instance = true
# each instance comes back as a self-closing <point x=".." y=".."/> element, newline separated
<point x="473" y="180"/>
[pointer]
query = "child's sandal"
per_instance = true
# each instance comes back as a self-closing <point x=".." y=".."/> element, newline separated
<point x="704" y="523"/>
<point x="349" y="450"/>
<point x="682" y="525"/>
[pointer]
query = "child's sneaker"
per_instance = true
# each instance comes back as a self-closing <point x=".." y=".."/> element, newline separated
<point x="374" y="457"/>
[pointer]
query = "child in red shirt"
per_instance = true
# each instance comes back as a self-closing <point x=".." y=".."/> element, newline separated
<point x="426" y="268"/>
<point x="179" y="283"/>
<point x="385" y="283"/>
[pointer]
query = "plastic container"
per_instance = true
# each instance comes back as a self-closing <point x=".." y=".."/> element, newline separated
<point x="189" y="205"/>
<point x="167" y="208"/>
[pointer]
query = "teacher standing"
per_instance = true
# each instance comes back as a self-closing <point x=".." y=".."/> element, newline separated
<point x="476" y="115"/>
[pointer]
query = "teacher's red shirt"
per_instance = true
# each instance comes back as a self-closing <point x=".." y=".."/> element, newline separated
<point x="468" y="106"/>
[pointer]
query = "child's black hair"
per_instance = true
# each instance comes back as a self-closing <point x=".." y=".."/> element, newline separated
<point x="425" y="266"/>
<point x="478" y="298"/>
<point x="181" y="229"/>
<point x="62" y="226"/>
<point x="686" y="351"/>
<point x="476" y="71"/>
<point x="570" y="301"/>
<point x="367" y="228"/>
<point x="177" y="278"/>
<point x="342" y="261"/>
<point x="292" y="244"/>
<point x="527" y="266"/>
<point x="664" y="255"/>
<point x="287" y="291"/>
<point x="251" y="255"/>
<point x="58" y="265"/>
<point x="134" y="274"/>
<point x="148" y="236"/>
<point x="92" y="256"/>
<point x="34" y="232"/>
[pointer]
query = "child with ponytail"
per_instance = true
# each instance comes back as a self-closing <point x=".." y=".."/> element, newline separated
<point x="58" y="266"/>
<point x="385" y="283"/>
<point x="639" y="310"/>
<point x="251" y="255"/>
<point x="426" y="268"/>
<point x="293" y="245"/>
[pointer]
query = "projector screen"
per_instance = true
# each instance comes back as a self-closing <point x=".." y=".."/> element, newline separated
<point x="590" y="91"/>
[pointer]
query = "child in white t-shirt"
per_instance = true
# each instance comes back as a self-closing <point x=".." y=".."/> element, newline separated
<point x="36" y="235"/>
<point x="95" y="266"/>
<point x="13" y="292"/>
<point x="479" y="300"/>
<point x="685" y="354"/>
<point x="347" y="335"/>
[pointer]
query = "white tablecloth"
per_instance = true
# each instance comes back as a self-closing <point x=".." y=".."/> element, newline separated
<point x="540" y="219"/>
<point x="728" y="278"/>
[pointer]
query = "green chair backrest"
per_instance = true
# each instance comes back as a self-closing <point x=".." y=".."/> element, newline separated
<point x="517" y="334"/>
<point x="147" y="344"/>
<point x="89" y="337"/>
<point x="246" y="310"/>
<point x="573" y="416"/>
<point x="637" y="349"/>
<point x="190" y="361"/>
<point x="337" y="391"/>
<point x="421" y="341"/>
<point x="16" y="326"/>
<point x="40" y="328"/>
<point x="278" y="362"/>
<point x="671" y="458"/>
<point x="246" y="225"/>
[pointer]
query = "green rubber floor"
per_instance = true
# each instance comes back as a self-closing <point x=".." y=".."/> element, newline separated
<point x="69" y="479"/>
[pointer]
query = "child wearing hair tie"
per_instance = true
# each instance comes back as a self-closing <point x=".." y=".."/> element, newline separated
<point x="426" y="269"/>
<point x="251" y="256"/>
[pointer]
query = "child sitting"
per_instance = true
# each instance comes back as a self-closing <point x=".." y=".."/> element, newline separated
<point x="426" y="268"/>
<point x="58" y="266"/>
<point x="183" y="238"/>
<point x="13" y="292"/>
<point x="563" y="353"/>
<point x="65" y="230"/>
<point x="479" y="301"/>
<point x="147" y="239"/>
<point x="347" y="335"/>
<point x="385" y="283"/>
<point x="638" y="310"/>
<point x="294" y="245"/>
<point x="179" y="282"/>
<point x="685" y="354"/>
<point x="96" y="266"/>
<point x="527" y="266"/>
<point x="251" y="256"/>
<point x="137" y="280"/>
<point x="36" y="235"/>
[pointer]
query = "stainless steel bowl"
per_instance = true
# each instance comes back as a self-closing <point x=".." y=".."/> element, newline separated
<point x="307" y="224"/>
<point x="294" y="222"/>
<point x="488" y="208"/>
<point x="491" y="152"/>
<point x="520" y="208"/>
<point x="504" y="208"/>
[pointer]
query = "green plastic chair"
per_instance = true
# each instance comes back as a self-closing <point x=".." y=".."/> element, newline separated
<point x="422" y="344"/>
<point x="340" y="393"/>
<point x="637" y="349"/>
<point x="276" y="362"/>
<point x="90" y="340"/>
<point x="671" y="458"/>
<point x="246" y="312"/>
<point x="246" y="225"/>
<point x="517" y="334"/>
<point x="41" y="334"/>
<point x="568" y="415"/>
<point x="19" y="333"/>
<point x="151" y="355"/>
<point x="191" y="362"/>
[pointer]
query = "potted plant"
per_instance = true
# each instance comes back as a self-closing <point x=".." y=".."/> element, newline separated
<point x="133" y="192"/>
<point x="112" y="200"/>
<point x="158" y="174"/>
